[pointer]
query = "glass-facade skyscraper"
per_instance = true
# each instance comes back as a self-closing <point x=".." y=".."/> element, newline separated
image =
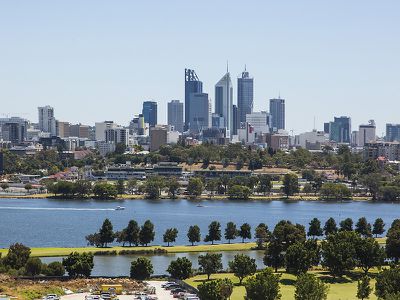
<point x="392" y="132"/>
<point x="340" y="130"/>
<point x="277" y="112"/>
<point x="175" y="115"/>
<point x="245" y="97"/>
<point x="192" y="85"/>
<point x="224" y="102"/>
<point x="150" y="112"/>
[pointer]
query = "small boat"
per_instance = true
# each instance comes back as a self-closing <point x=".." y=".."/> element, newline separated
<point x="199" y="205"/>
<point x="119" y="208"/>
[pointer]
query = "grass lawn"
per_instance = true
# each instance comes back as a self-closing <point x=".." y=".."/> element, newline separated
<point x="344" y="290"/>
<point x="172" y="249"/>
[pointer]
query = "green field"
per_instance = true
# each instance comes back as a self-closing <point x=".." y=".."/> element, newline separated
<point x="40" y="252"/>
<point x="343" y="290"/>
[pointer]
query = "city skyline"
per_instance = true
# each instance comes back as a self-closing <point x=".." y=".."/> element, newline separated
<point x="337" y="68"/>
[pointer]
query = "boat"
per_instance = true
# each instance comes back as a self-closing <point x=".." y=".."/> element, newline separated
<point x="199" y="205"/>
<point x="119" y="208"/>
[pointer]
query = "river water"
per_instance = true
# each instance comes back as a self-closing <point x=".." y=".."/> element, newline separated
<point x="65" y="223"/>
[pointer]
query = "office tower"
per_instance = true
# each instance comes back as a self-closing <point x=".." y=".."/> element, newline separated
<point x="235" y="119"/>
<point x="79" y="130"/>
<point x="158" y="137"/>
<point x="245" y="95"/>
<point x="100" y="128"/>
<point x="366" y="133"/>
<point x="13" y="129"/>
<point x="326" y="127"/>
<point x="150" y="112"/>
<point x="340" y="130"/>
<point x="192" y="85"/>
<point x="199" y="117"/>
<point x="47" y="122"/>
<point x="117" y="135"/>
<point x="392" y="132"/>
<point x="258" y="121"/>
<point x="277" y="111"/>
<point x="224" y="101"/>
<point x="63" y="129"/>
<point x="137" y="126"/>
<point x="217" y="121"/>
<point x="175" y="115"/>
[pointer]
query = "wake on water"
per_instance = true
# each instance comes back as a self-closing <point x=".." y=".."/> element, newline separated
<point x="55" y="208"/>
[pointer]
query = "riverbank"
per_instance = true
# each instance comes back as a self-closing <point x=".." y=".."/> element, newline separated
<point x="54" y="252"/>
<point x="202" y="197"/>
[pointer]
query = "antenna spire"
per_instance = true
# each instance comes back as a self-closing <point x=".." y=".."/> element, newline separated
<point x="227" y="66"/>
<point x="245" y="67"/>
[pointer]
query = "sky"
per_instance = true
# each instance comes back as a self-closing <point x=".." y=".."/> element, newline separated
<point x="99" y="60"/>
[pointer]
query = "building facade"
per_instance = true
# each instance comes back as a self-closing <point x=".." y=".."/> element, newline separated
<point x="150" y="112"/>
<point x="259" y="121"/>
<point x="118" y="135"/>
<point x="47" y="121"/>
<point x="101" y="127"/>
<point x="199" y="116"/>
<point x="245" y="95"/>
<point x="158" y="137"/>
<point x="277" y="111"/>
<point x="192" y="86"/>
<point x="392" y="132"/>
<point x="366" y="133"/>
<point x="175" y="115"/>
<point x="13" y="129"/>
<point x="224" y="101"/>
<point x="340" y="130"/>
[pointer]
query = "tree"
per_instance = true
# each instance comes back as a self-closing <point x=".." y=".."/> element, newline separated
<point x="335" y="191"/>
<point x="28" y="187"/>
<point x="346" y="225"/>
<point x="239" y="192"/>
<point x="55" y="268"/>
<point x="387" y="283"/>
<point x="393" y="241"/>
<point x="132" y="232"/>
<point x="285" y="233"/>
<point x="33" y="266"/>
<point x="93" y="239"/>
<point x="363" y="227"/>
<point x="83" y="188"/>
<point x="264" y="184"/>
<point x="181" y="268"/>
<point x="106" y="233"/>
<point x="273" y="256"/>
<point x="131" y="185"/>
<point x="307" y="189"/>
<point x="225" y="288"/>
<point x="330" y="227"/>
<point x="141" y="268"/>
<point x="195" y="187"/>
<point x="210" y="263"/>
<point x="369" y="254"/>
<point x="220" y="289"/>
<point x="262" y="235"/>
<point x="120" y="187"/>
<point x="378" y="227"/>
<point x="310" y="287"/>
<point x="297" y="259"/>
<point x="4" y="186"/>
<point x="290" y="184"/>
<point x="104" y="190"/>
<point x="153" y="187"/>
<point x="373" y="182"/>
<point x="17" y="256"/>
<point x="363" y="288"/>
<point x="315" y="228"/>
<point x="263" y="286"/>
<point x="214" y="232"/>
<point x="78" y="265"/>
<point x="245" y="232"/>
<point x="230" y="231"/>
<point x="339" y="253"/>
<point x="242" y="266"/>
<point x="194" y="234"/>
<point x="146" y="234"/>
<point x="212" y="186"/>
<point x="173" y="187"/>
<point x="170" y="235"/>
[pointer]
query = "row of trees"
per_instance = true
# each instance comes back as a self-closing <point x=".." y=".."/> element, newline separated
<point x="84" y="188"/>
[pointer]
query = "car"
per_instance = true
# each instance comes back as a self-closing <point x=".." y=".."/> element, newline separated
<point x="172" y="286"/>
<point x="167" y="283"/>
<point x="51" y="297"/>
<point x="177" y="290"/>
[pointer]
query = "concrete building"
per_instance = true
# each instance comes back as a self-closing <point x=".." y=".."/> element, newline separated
<point x="224" y="101"/>
<point x="158" y="137"/>
<point x="311" y="139"/>
<point x="175" y="115"/>
<point x="277" y="111"/>
<point x="217" y="121"/>
<point x="137" y="125"/>
<point x="388" y="150"/>
<point x="13" y="129"/>
<point x="150" y="112"/>
<point x="366" y="133"/>
<point x="199" y="115"/>
<point x="192" y="86"/>
<point x="340" y="130"/>
<point x="47" y="121"/>
<point x="392" y="132"/>
<point x="105" y="147"/>
<point x="278" y="141"/>
<point x="79" y="130"/>
<point x="259" y="121"/>
<point x="63" y="129"/>
<point x="245" y="95"/>
<point x="101" y="127"/>
<point x="118" y="135"/>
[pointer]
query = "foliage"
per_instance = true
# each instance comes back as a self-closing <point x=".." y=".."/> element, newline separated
<point x="17" y="256"/>
<point x="245" y="231"/>
<point x="141" y="268"/>
<point x="335" y="191"/>
<point x="239" y="192"/>
<point x="104" y="190"/>
<point x="78" y="265"/>
<point x="363" y="288"/>
<point x="315" y="228"/>
<point x="214" y="232"/>
<point x="181" y="268"/>
<point x="387" y="282"/>
<point x="363" y="227"/>
<point x="194" y="234"/>
<point x="262" y="235"/>
<point x="170" y="235"/>
<point x="378" y="227"/>
<point x="243" y="266"/>
<point x="263" y="286"/>
<point x="393" y="241"/>
<point x="195" y="187"/>
<point x="220" y="289"/>
<point x="146" y="234"/>
<point x="273" y="256"/>
<point x="346" y="225"/>
<point x="33" y="266"/>
<point x="210" y="263"/>
<point x="309" y="287"/>
<point x="231" y="232"/>
<point x="290" y="184"/>
<point x="285" y="233"/>
<point x="330" y="226"/>
<point x="106" y="233"/>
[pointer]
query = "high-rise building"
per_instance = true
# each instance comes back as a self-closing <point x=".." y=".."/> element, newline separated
<point x="245" y="96"/>
<point x="150" y="112"/>
<point x="100" y="128"/>
<point x="13" y="129"/>
<point x="137" y="125"/>
<point x="366" y="133"/>
<point x="175" y="115"/>
<point x="199" y="117"/>
<point x="258" y="121"/>
<point x="392" y="132"/>
<point x="158" y="137"/>
<point x="277" y="112"/>
<point x="117" y="135"/>
<point x="340" y="130"/>
<point x="79" y="130"/>
<point x="63" y="129"/>
<point x="47" y="121"/>
<point x="235" y="118"/>
<point x="224" y="101"/>
<point x="192" y="85"/>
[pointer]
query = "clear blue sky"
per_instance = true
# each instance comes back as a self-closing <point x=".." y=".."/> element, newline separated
<point x="97" y="60"/>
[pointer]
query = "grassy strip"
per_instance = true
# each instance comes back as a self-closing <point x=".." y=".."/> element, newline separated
<point x="339" y="289"/>
<point x="40" y="252"/>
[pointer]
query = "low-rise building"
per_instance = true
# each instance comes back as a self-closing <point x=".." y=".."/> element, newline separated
<point x="387" y="150"/>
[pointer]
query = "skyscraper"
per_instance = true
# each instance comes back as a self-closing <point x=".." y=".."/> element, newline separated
<point x="340" y="130"/>
<point x="199" y="117"/>
<point x="175" y="115"/>
<point x="150" y="112"/>
<point x="224" y="101"/>
<point x="192" y="85"/>
<point x="47" y="122"/>
<point x="277" y="112"/>
<point x="245" y="95"/>
<point x="366" y="133"/>
<point x="392" y="132"/>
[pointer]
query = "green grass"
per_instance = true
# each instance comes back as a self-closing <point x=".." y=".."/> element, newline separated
<point x="40" y="252"/>
<point x="344" y="289"/>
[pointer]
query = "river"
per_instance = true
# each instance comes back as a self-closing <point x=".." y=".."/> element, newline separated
<point x="65" y="223"/>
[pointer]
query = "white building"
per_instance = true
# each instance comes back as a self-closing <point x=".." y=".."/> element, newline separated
<point x="259" y="122"/>
<point x="312" y="137"/>
<point x="366" y="133"/>
<point x="47" y="121"/>
<point x="100" y="128"/>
